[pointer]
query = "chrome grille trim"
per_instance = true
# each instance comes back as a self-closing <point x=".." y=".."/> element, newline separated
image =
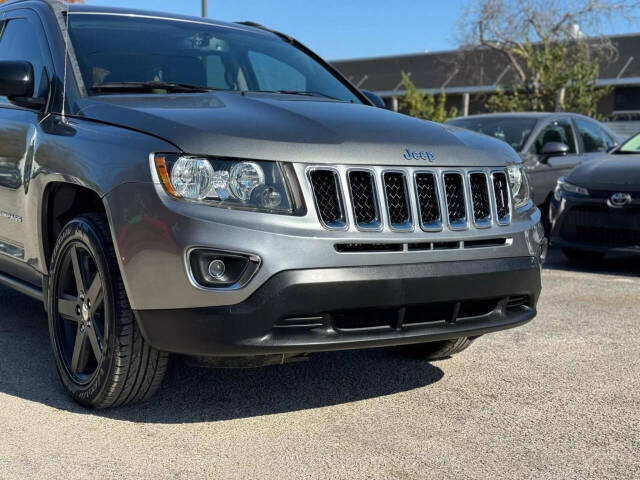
<point x="482" y="222"/>
<point x="375" y="224"/>
<point x="436" y="224"/>
<point x="460" y="222"/>
<point x="425" y="188"/>
<point x="342" y="223"/>
<point x="504" y="219"/>
<point x="407" y="224"/>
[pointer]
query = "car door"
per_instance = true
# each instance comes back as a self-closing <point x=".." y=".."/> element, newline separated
<point x="544" y="172"/>
<point x="21" y="38"/>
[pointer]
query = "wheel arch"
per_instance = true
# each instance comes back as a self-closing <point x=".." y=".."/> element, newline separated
<point x="61" y="202"/>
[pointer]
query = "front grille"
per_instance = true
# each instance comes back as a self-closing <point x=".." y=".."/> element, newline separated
<point x="616" y="237"/>
<point x="601" y="226"/>
<point x="480" y="198"/>
<point x="502" y="196"/>
<point x="328" y="199"/>
<point x="397" y="200"/>
<point x="457" y="195"/>
<point x="428" y="205"/>
<point x="454" y="190"/>
<point x="363" y="198"/>
<point x="412" y="316"/>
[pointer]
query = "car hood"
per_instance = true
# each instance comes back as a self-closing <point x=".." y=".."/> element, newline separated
<point x="293" y="128"/>
<point x="609" y="172"/>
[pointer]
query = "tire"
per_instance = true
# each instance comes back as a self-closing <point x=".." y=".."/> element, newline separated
<point x="583" y="257"/>
<point x="437" y="350"/>
<point x="545" y="210"/>
<point x="100" y="354"/>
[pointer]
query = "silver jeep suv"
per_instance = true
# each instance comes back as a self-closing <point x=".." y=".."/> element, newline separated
<point x="178" y="185"/>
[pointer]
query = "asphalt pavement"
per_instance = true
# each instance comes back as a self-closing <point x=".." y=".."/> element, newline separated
<point x="558" y="398"/>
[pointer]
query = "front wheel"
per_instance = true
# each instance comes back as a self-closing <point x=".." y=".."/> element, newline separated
<point x="100" y="355"/>
<point x="437" y="350"/>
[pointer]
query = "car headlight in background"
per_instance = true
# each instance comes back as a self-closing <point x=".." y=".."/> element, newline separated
<point x="519" y="185"/>
<point x="564" y="186"/>
<point x="248" y="184"/>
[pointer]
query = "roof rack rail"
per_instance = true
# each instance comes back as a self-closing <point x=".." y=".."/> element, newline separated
<point x="284" y="36"/>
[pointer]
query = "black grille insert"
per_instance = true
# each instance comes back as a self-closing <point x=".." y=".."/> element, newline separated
<point x="368" y="247"/>
<point x="412" y="316"/>
<point x="502" y="196"/>
<point x="363" y="197"/>
<point x="480" y="197"/>
<point x="395" y="188"/>
<point x="328" y="199"/>
<point x="454" y="189"/>
<point x="428" y="200"/>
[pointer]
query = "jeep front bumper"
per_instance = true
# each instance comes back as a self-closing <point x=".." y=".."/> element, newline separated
<point x="311" y="310"/>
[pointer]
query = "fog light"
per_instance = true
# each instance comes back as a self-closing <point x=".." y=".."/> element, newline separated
<point x="217" y="268"/>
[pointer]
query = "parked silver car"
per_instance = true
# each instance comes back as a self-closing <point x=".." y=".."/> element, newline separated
<point x="550" y="144"/>
<point x="173" y="184"/>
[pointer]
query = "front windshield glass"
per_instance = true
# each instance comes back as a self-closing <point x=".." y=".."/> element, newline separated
<point x="115" y="51"/>
<point x="514" y="131"/>
<point x="630" y="146"/>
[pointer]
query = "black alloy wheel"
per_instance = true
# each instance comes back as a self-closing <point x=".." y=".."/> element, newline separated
<point x="80" y="311"/>
<point x="101" y="356"/>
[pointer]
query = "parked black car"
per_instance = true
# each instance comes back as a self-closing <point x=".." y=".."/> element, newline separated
<point x="550" y="144"/>
<point x="596" y="208"/>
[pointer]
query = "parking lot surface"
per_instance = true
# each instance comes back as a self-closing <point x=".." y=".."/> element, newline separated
<point x="558" y="398"/>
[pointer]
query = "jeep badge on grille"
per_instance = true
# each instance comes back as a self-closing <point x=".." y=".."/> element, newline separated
<point x="413" y="155"/>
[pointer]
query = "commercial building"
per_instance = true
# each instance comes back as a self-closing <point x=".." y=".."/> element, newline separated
<point x="468" y="79"/>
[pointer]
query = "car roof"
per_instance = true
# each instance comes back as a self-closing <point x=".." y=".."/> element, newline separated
<point x="97" y="10"/>
<point x="532" y="115"/>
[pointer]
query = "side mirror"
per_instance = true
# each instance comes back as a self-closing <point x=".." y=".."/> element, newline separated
<point x="17" y="84"/>
<point x="553" y="149"/>
<point x="375" y="99"/>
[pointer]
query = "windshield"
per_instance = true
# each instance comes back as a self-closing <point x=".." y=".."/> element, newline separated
<point x="514" y="131"/>
<point x="117" y="51"/>
<point x="630" y="146"/>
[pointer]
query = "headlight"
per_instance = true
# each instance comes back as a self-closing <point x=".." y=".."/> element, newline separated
<point x="255" y="185"/>
<point x="564" y="186"/>
<point x="519" y="185"/>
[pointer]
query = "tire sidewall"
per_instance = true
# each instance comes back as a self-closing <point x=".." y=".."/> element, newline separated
<point x="82" y="230"/>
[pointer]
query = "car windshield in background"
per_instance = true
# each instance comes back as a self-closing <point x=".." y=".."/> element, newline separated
<point x="631" y="146"/>
<point x="119" y="54"/>
<point x="514" y="131"/>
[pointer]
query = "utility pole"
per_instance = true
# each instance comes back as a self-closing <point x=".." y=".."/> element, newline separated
<point x="204" y="8"/>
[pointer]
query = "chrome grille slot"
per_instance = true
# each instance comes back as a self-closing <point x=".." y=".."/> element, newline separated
<point x="363" y="199"/>
<point x="480" y="199"/>
<point x="328" y="199"/>
<point x="397" y="198"/>
<point x="501" y="195"/>
<point x="454" y="195"/>
<point x="428" y="204"/>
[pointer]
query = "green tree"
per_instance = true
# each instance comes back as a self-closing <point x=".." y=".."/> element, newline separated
<point x="563" y="76"/>
<point x="425" y="105"/>
<point x="546" y="47"/>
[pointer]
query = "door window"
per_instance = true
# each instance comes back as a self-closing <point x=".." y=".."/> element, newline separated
<point x="19" y="41"/>
<point x="593" y="138"/>
<point x="556" y="131"/>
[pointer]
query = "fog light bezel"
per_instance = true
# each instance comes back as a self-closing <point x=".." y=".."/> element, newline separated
<point x="240" y="268"/>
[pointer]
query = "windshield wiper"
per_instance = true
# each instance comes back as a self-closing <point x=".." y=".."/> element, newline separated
<point x="173" y="87"/>
<point x="298" y="92"/>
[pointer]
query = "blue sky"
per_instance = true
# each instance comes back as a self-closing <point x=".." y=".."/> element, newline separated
<point x="339" y="29"/>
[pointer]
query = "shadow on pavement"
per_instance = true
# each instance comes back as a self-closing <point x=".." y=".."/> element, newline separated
<point x="202" y="395"/>
<point x="612" y="264"/>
